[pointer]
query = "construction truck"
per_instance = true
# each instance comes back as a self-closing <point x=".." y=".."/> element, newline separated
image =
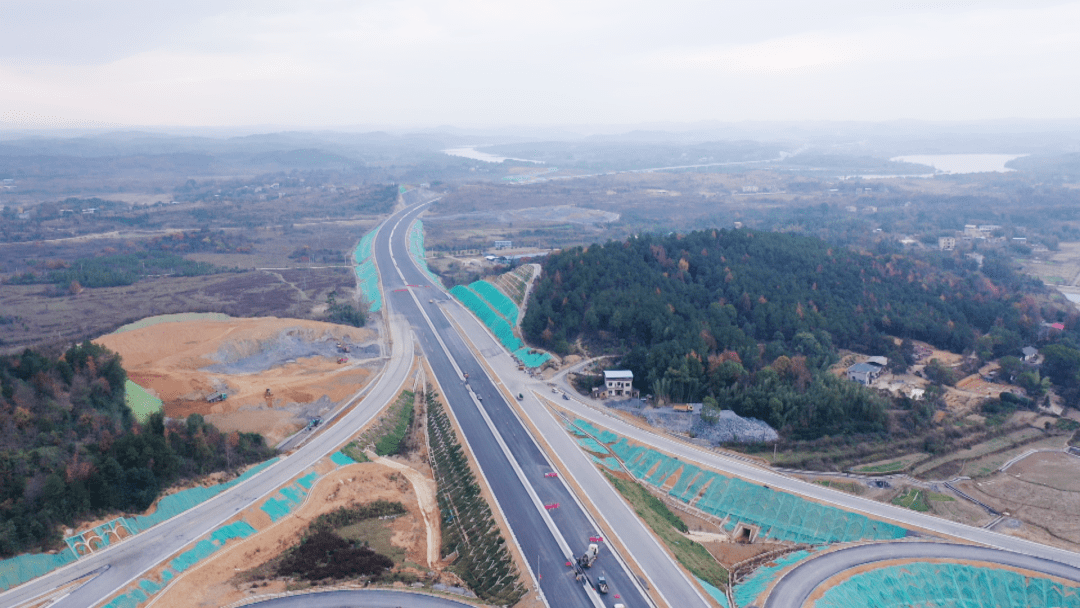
<point x="601" y="584"/>
<point x="588" y="558"/>
<point x="214" y="398"/>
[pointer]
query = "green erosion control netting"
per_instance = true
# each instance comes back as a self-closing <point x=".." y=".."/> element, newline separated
<point x="924" y="585"/>
<point x="174" y="318"/>
<point x="341" y="459"/>
<point x="187" y="559"/>
<point x="498" y="325"/>
<point x="750" y="588"/>
<point x="416" y="250"/>
<point x="367" y="275"/>
<point x="592" y="445"/>
<point x="18" y="570"/>
<point x="174" y="504"/>
<point x="140" y="402"/>
<point x="204" y="548"/>
<point x="779" y="515"/>
<point x="288" y="498"/>
<point x="714" y="593"/>
<point x="498" y="301"/>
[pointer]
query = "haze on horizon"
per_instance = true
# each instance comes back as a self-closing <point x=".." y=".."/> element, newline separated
<point x="480" y="63"/>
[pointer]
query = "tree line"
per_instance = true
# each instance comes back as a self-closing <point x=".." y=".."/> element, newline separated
<point x="751" y="319"/>
<point x="70" y="449"/>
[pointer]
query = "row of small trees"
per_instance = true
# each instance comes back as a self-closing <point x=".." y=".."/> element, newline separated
<point x="468" y="528"/>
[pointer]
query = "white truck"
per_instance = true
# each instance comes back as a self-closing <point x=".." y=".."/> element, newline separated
<point x="588" y="558"/>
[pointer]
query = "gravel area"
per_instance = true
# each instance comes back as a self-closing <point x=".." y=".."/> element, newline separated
<point x="729" y="427"/>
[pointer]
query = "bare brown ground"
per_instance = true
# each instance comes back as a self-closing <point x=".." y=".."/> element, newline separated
<point x="168" y="359"/>
<point x="216" y="580"/>
<point x="1050" y="515"/>
<point x="1056" y="470"/>
<point x="426" y="490"/>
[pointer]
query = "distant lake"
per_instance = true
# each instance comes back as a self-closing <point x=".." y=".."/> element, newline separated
<point x="474" y="154"/>
<point x="962" y="163"/>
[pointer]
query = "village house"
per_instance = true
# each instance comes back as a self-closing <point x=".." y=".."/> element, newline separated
<point x="865" y="373"/>
<point x="617" y="383"/>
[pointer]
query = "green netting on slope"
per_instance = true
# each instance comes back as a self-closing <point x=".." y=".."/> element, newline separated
<point x="779" y="515"/>
<point x="366" y="273"/>
<point x="591" y="445"/>
<point x="17" y="570"/>
<point x="282" y="503"/>
<point x="205" y="548"/>
<point x="504" y="333"/>
<point x="497" y="299"/>
<point x="715" y="593"/>
<point x="130" y="599"/>
<point x="363" y="248"/>
<point x="751" y="587"/>
<point x="174" y="504"/>
<point x="689" y="474"/>
<point x="140" y="402"/>
<point x="341" y="459"/>
<point x="927" y="585"/>
<point x="488" y="317"/>
<point x="607" y="461"/>
<point x="173" y="318"/>
<point x="418" y="253"/>
<point x="368" y="278"/>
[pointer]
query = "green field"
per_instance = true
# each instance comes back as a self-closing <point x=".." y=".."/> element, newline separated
<point x="663" y="522"/>
<point x="140" y="402"/>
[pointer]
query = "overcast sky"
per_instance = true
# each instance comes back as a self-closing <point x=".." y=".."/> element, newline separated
<point x="327" y="63"/>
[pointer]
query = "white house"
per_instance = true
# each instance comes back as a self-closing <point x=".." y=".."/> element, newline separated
<point x="617" y="383"/>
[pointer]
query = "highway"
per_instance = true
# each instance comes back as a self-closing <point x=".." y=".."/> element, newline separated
<point x="1002" y="547"/>
<point x="795" y="588"/>
<point x="125" y="561"/>
<point x="511" y="462"/>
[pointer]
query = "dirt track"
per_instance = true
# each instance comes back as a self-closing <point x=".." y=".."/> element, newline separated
<point x="183" y="362"/>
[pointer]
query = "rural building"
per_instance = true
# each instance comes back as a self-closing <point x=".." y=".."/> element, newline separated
<point x="1030" y="353"/>
<point x="1019" y="240"/>
<point x="617" y="383"/>
<point x="504" y="244"/>
<point x="865" y="373"/>
<point x="946" y="243"/>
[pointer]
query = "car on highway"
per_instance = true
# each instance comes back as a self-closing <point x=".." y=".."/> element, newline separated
<point x="565" y="397"/>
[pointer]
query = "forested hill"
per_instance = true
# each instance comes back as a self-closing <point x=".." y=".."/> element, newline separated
<point x="679" y="306"/>
<point x="70" y="448"/>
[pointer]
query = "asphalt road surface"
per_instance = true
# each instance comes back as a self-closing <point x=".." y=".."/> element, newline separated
<point x="659" y="567"/>
<point x="795" y="588"/>
<point x="125" y="561"/>
<point x="547" y="538"/>
<point x="361" y="599"/>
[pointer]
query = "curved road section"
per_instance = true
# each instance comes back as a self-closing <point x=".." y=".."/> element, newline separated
<point x="361" y="599"/>
<point x="796" y="587"/>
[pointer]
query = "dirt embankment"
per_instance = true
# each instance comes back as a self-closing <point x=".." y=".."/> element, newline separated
<point x="220" y="580"/>
<point x="297" y="361"/>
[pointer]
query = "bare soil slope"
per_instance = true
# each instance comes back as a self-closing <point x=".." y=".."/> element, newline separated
<point x="297" y="360"/>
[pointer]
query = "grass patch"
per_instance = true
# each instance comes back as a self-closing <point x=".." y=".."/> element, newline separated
<point x="667" y="527"/>
<point x="844" y="486"/>
<point x="376" y="534"/>
<point x="936" y="497"/>
<point x="912" y="499"/>
<point x="888" y="467"/>
<point x="1066" y="424"/>
<point x="354" y="451"/>
<point x="388" y="435"/>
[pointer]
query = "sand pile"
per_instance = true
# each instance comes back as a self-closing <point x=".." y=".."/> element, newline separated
<point x="297" y="360"/>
